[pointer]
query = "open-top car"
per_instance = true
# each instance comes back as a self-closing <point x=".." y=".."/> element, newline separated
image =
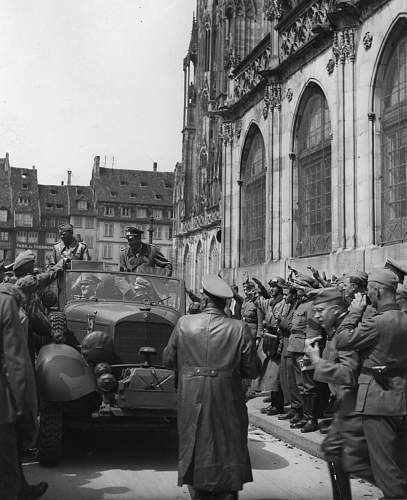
<point x="105" y="366"/>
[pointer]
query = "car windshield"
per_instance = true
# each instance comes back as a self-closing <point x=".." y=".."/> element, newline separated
<point x="123" y="287"/>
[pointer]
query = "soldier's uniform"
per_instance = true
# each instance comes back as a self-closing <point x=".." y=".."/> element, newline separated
<point x="31" y="285"/>
<point x="305" y="395"/>
<point x="76" y="250"/>
<point x="381" y="341"/>
<point x="212" y="353"/>
<point x="12" y="386"/>
<point x="143" y="258"/>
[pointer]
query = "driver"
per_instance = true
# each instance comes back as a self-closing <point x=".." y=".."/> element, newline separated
<point x="143" y="290"/>
<point x="85" y="286"/>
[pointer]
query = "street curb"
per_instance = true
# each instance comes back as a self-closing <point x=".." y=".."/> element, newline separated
<point x="309" y="442"/>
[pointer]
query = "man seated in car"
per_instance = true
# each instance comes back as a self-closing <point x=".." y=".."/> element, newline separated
<point x="85" y="286"/>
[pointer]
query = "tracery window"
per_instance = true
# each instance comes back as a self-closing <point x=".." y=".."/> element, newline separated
<point x="187" y="267"/>
<point x="312" y="176"/>
<point x="393" y="119"/>
<point x="214" y="257"/>
<point x="253" y="199"/>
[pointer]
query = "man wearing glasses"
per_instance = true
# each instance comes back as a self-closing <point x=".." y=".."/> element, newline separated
<point x="139" y="256"/>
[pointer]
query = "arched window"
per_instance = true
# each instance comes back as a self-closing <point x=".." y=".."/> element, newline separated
<point x="198" y="266"/>
<point x="214" y="257"/>
<point x="391" y="90"/>
<point x="312" y="176"/>
<point x="253" y="199"/>
<point x="187" y="267"/>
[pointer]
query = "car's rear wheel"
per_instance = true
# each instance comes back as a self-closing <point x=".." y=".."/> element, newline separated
<point x="57" y="320"/>
<point x="50" y="435"/>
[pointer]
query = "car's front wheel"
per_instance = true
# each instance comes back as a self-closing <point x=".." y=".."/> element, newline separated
<point x="50" y="435"/>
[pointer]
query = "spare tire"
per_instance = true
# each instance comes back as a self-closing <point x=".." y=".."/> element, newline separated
<point x="58" y="326"/>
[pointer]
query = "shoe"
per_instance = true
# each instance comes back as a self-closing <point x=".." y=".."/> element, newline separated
<point x="299" y="424"/>
<point x="287" y="416"/>
<point x="35" y="491"/>
<point x="267" y="400"/>
<point x="275" y="411"/>
<point x="310" y="426"/>
<point x="296" y="418"/>
<point x="266" y="409"/>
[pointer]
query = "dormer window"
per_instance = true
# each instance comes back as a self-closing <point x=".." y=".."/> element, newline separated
<point x="123" y="182"/>
<point x="79" y="191"/>
<point x="48" y="206"/>
<point x="53" y="192"/>
<point x="59" y="205"/>
<point x="113" y="194"/>
<point x="82" y="205"/>
<point x="25" y="187"/>
<point x="23" y="200"/>
<point x="143" y="184"/>
<point x="158" y="196"/>
<point x="133" y="195"/>
<point x="168" y="185"/>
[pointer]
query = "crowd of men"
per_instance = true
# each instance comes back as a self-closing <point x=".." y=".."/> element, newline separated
<point x="316" y="346"/>
<point x="334" y="360"/>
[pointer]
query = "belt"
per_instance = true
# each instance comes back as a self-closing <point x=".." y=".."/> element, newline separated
<point x="205" y="371"/>
<point x="384" y="370"/>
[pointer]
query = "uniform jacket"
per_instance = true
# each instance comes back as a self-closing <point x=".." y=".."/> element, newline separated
<point x="76" y="250"/>
<point x="302" y="327"/>
<point x="12" y="360"/>
<point x="148" y="256"/>
<point x="380" y="339"/>
<point x="212" y="353"/>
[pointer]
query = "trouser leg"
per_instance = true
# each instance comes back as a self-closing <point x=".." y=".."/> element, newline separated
<point x="294" y="381"/>
<point x="285" y="386"/>
<point x="382" y="435"/>
<point x="10" y="479"/>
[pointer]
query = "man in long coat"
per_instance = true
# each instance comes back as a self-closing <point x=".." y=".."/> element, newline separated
<point x="212" y="354"/>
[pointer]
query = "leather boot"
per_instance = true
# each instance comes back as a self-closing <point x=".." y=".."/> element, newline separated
<point x="340" y="481"/>
<point x="287" y="416"/>
<point x="310" y="413"/>
<point x="277" y="401"/>
<point x="297" y="417"/>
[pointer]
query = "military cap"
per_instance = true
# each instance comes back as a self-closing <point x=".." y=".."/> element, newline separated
<point x="277" y="281"/>
<point x="402" y="289"/>
<point x="304" y="280"/>
<point x="356" y="276"/>
<point x="331" y="295"/>
<point x="23" y="258"/>
<point x="213" y="285"/>
<point x="397" y="267"/>
<point x="133" y="231"/>
<point x="65" y="227"/>
<point x="384" y="277"/>
<point x="89" y="279"/>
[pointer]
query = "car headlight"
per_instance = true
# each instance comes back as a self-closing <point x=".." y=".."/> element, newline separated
<point x="106" y="382"/>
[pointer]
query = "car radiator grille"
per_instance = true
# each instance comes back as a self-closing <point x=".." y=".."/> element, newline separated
<point x="129" y="337"/>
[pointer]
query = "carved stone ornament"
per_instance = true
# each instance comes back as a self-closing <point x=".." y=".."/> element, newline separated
<point x="238" y="128"/>
<point x="272" y="98"/>
<point x="367" y="40"/>
<point x="227" y="132"/>
<point x="343" y="48"/>
<point x="289" y="95"/>
<point x="202" y="220"/>
<point x="273" y="9"/>
<point x="330" y="66"/>
<point x="301" y="30"/>
<point x="250" y="76"/>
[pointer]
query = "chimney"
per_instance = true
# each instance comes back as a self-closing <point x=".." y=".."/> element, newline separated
<point x="96" y="167"/>
<point x="69" y="177"/>
<point x="33" y="167"/>
<point x="155" y="166"/>
<point x="62" y="183"/>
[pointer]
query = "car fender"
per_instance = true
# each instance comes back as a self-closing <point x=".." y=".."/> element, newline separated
<point x="62" y="374"/>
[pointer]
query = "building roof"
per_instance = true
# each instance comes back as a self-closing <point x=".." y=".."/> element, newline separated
<point x="77" y="194"/>
<point x="53" y="200"/>
<point x="134" y="187"/>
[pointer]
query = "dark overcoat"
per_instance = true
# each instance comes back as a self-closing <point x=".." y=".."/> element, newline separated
<point x="212" y="354"/>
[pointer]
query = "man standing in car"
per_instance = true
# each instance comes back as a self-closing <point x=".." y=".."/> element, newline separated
<point x="139" y="255"/>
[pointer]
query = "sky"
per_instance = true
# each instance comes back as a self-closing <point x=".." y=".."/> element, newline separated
<point x="80" y="78"/>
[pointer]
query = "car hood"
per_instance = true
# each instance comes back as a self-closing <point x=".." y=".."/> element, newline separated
<point x="113" y="312"/>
